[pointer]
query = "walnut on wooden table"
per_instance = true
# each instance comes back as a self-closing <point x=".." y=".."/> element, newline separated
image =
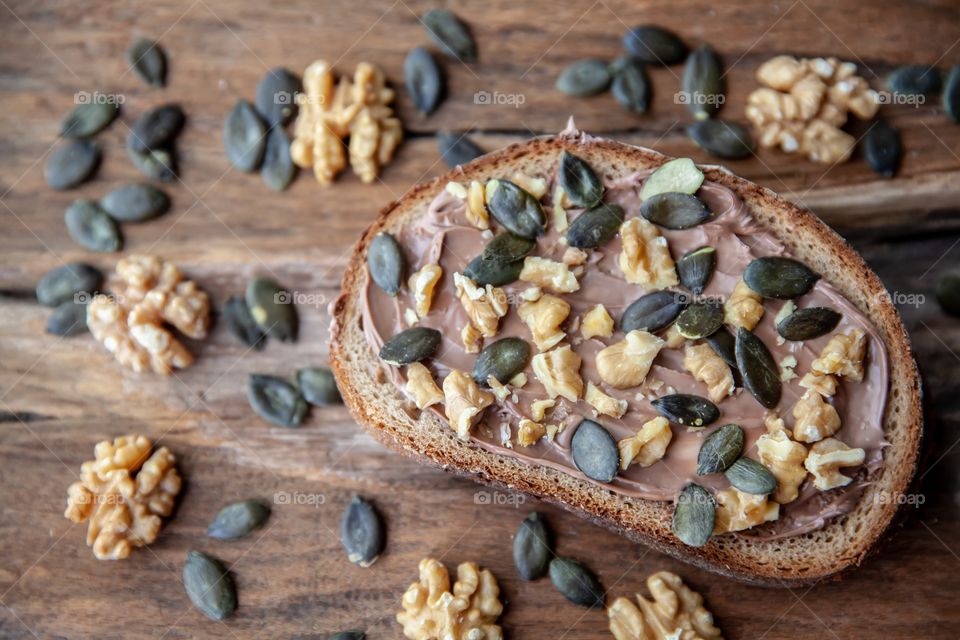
<point x="676" y="612"/>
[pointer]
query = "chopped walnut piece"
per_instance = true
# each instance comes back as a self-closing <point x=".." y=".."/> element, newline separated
<point x="825" y="460"/>
<point x="535" y="186"/>
<point x="648" y="445"/>
<point x="434" y="611"/>
<point x="123" y="494"/>
<point x="604" y="404"/>
<point x="597" y="323"/>
<point x="477" y="206"/>
<point x="626" y="363"/>
<point x="456" y="189"/>
<point x="422" y="284"/>
<point x="644" y="255"/>
<point x="558" y="370"/>
<point x="784" y="458"/>
<point x="549" y="275"/>
<point x="519" y="380"/>
<point x="774" y="423"/>
<point x="421" y="387"/>
<point x="560" y="222"/>
<point x="824" y="385"/>
<point x="544" y="318"/>
<point x="529" y="432"/>
<point x="785" y="311"/>
<point x="843" y="355"/>
<point x="744" y="307"/>
<point x="814" y="418"/>
<point x="484" y="306"/>
<point x="538" y="408"/>
<point x="500" y="391"/>
<point x="787" y="365"/>
<point x="464" y="402"/>
<point x="674" y="339"/>
<point x="705" y="365"/>
<point x="737" y="510"/>
<point x="574" y="257"/>
<point x="675" y="613"/>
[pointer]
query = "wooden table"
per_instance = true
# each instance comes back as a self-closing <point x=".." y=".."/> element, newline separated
<point x="59" y="397"/>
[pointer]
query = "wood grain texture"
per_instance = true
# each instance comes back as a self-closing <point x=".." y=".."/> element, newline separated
<point x="59" y="397"/>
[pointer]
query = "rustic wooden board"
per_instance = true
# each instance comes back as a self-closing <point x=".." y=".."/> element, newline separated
<point x="59" y="397"/>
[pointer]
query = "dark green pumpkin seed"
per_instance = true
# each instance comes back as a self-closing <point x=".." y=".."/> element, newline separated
<point x="694" y="516"/>
<point x="493" y="272"/>
<point x="276" y="97"/>
<point x="531" y="547"/>
<point x="749" y="476"/>
<point x="576" y="583"/>
<point x="761" y="376"/>
<point x="653" y="311"/>
<point x="457" y="148"/>
<point x="703" y="83"/>
<point x="696" y="267"/>
<point x="157" y="128"/>
<point x="680" y="175"/>
<point x="506" y="247"/>
<point x="883" y="149"/>
<point x="148" y="61"/>
<point x="675" y="210"/>
<point x="951" y="94"/>
<point x="65" y="282"/>
<point x="948" y="293"/>
<point x="272" y="309"/>
<point x="595" y="452"/>
<point x="720" y="450"/>
<point x="276" y="400"/>
<point x="687" y="410"/>
<point x="516" y="209"/>
<point x="68" y="319"/>
<point x="209" y="586"/>
<point x="241" y="324"/>
<point x="777" y="277"/>
<point x="722" y="139"/>
<point x="411" y="345"/>
<point x="159" y="164"/>
<point x="244" y="136"/>
<point x="349" y="635"/>
<point x="579" y="181"/>
<point x="914" y="80"/>
<point x="724" y="345"/>
<point x="807" y="324"/>
<point x="318" y="386"/>
<point x="362" y="532"/>
<point x="630" y="87"/>
<point x="135" y="203"/>
<point x="584" y="78"/>
<point x="386" y="263"/>
<point x="595" y="227"/>
<point x="89" y="118"/>
<point x="700" y="320"/>
<point x="238" y="520"/>
<point x="72" y="163"/>
<point x="92" y="228"/>
<point x="450" y="34"/>
<point x="654" y="45"/>
<point x="502" y="359"/>
<point x="277" y="169"/>
<point x="424" y="79"/>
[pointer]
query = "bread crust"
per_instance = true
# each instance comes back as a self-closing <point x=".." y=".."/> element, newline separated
<point x="838" y="547"/>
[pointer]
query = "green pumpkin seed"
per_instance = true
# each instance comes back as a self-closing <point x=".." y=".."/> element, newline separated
<point x="135" y="203"/>
<point x="694" y="516"/>
<point x="722" y="139"/>
<point x="241" y="324"/>
<point x="159" y="164"/>
<point x="914" y="80"/>
<point x="700" y="320"/>
<point x="576" y="583"/>
<point x="595" y="452"/>
<point x="948" y="293"/>
<point x="696" y="267"/>
<point x="595" y="227"/>
<point x="148" y="61"/>
<point x="675" y="210"/>
<point x="502" y="359"/>
<point x="386" y="263"/>
<point x="579" y="181"/>
<point x="276" y="97"/>
<point x="493" y="272"/>
<point x="361" y="532"/>
<point x="277" y="169"/>
<point x="71" y="164"/>
<point x="883" y="149"/>
<point x="424" y="79"/>
<point x="631" y="87"/>
<point x="238" y="520"/>
<point x="584" y="78"/>
<point x="761" y="376"/>
<point x="68" y="319"/>
<point x="653" y="311"/>
<point x="703" y="83"/>
<point x="457" y="149"/>
<point x="89" y="118"/>
<point x="951" y="94"/>
<point x="92" y="228"/>
<point x="411" y="345"/>
<point x="677" y="176"/>
<point x="157" y="128"/>
<point x="349" y="635"/>
<point x="244" y="137"/>
<point x="65" y="282"/>
<point x="531" y="547"/>
<point x="654" y="45"/>
<point x="450" y="34"/>
<point x="318" y="386"/>
<point x="687" y="410"/>
<point x="272" y="309"/>
<point x="506" y="247"/>
<point x="209" y="586"/>
<point x="724" y="345"/>
<point x="720" y="450"/>
<point x="517" y="210"/>
<point x="276" y="400"/>
<point x="749" y="476"/>
<point x="807" y="324"/>
<point x="776" y="277"/>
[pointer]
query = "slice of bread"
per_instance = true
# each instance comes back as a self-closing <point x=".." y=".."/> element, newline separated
<point x="384" y="411"/>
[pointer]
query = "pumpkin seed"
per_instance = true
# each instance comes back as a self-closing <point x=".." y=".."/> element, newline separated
<point x="493" y="272"/>
<point x="156" y="128"/>
<point x="272" y="309"/>
<point x="653" y="311"/>
<point x="68" y="319"/>
<point x="951" y="94"/>
<point x="135" y="203"/>
<point x="276" y="400"/>
<point x="654" y="45"/>
<point x="595" y="227"/>
<point x="531" y="547"/>
<point x="517" y="210"/>
<point x="724" y="345"/>
<point x="318" y="386"/>
<point x="89" y="118"/>
<point x="241" y="324"/>
<point x="703" y="83"/>
<point x="457" y="149"/>
<point x="579" y="181"/>
<point x="576" y="583"/>
<point x="687" y="410"/>
<point x="450" y="34"/>
<point x="349" y="635"/>
<point x="914" y="80"/>
<point x="411" y="345"/>
<point x="386" y="263"/>
<point x="677" y="176"/>
<point x="276" y="97"/>
<point x="883" y="149"/>
<point x="595" y="452"/>
<point x="506" y="247"/>
<point x="92" y="228"/>
<point x="158" y="164"/>
<point x="631" y="87"/>
<point x="502" y="359"/>
<point x="361" y="532"/>
<point x="244" y="136"/>
<point x="72" y="163"/>
<point x="948" y="293"/>
<point x="720" y="449"/>
<point x="777" y="277"/>
<point x="584" y="78"/>
<point x="749" y="476"/>
<point x="675" y="210"/>
<point x="425" y="81"/>
<point x="148" y="61"/>
<point x="807" y="324"/>
<point x="238" y="520"/>
<point x="64" y="283"/>
<point x="694" y="516"/>
<point x="761" y="376"/>
<point x="722" y="139"/>
<point x="277" y="169"/>
<point x="696" y="267"/>
<point x="209" y="585"/>
<point x="700" y="320"/>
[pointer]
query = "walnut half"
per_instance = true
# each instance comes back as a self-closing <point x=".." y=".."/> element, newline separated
<point x="464" y="402"/>
<point x="784" y="458"/>
<point x="646" y="446"/>
<point x="558" y="370"/>
<point x="825" y="460"/>
<point x="644" y="255"/>
<point x="843" y="355"/>
<point x="737" y="510"/>
<point x="626" y="363"/>
<point x="705" y="365"/>
<point x="675" y="613"/>
<point x="814" y="418"/>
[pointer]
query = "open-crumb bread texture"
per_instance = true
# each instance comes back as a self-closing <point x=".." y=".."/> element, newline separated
<point x="393" y="420"/>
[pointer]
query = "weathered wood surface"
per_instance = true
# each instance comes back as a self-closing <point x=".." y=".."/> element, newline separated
<point x="59" y="397"/>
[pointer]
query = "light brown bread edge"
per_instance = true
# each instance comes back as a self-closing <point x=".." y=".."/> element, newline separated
<point x="843" y="544"/>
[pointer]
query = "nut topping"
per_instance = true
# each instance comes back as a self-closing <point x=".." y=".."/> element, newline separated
<point x="676" y="612"/>
<point x="737" y="510"/>
<point x="464" y="402"/>
<point x="825" y="460"/>
<point x="484" y="306"/>
<point x="472" y="338"/>
<point x="644" y="256"/>
<point x="626" y="363"/>
<point x="597" y="323"/>
<point x="824" y="385"/>
<point x="705" y="365"/>
<point x="539" y="408"/>
<point x="421" y="387"/>
<point x="784" y="458"/>
<point x="544" y="318"/>
<point x="529" y="432"/>
<point x="422" y="284"/>
<point x="477" y="206"/>
<point x="744" y="307"/>
<point x="604" y="404"/>
<point x="843" y="355"/>
<point x="549" y="275"/>
<point x="814" y="418"/>
<point x="646" y="446"/>
<point x="558" y="370"/>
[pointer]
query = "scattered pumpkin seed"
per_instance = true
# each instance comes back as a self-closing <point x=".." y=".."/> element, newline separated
<point x="72" y="163"/>
<point x="276" y="400"/>
<point x="687" y="410"/>
<point x="386" y="263"/>
<point x="749" y="476"/>
<point x="516" y="209"/>
<point x="680" y="175"/>
<point x="703" y="83"/>
<point x="424" y="79"/>
<point x="148" y="61"/>
<point x="595" y="452"/>
<point x="722" y="139"/>
<point x="157" y="128"/>
<point x="720" y="450"/>
<point x="595" y="227"/>
<point x="68" y="319"/>
<point x="276" y="97"/>
<point x="457" y="149"/>
<point x="349" y="635"/>
<point x="450" y="34"/>
<point x="89" y="118"/>
<point x="502" y="359"/>
<point x="135" y="203"/>
<point x="914" y="80"/>
<point x="653" y="311"/>
<point x="761" y="376"/>
<point x="241" y="324"/>
<point x="951" y="94"/>
<point x="576" y="583"/>
<point x="238" y="520"/>
<point x="948" y="293"/>
<point x="92" y="228"/>
<point x="244" y="136"/>
<point x="411" y="345"/>
<point x="696" y="267"/>
<point x="209" y="586"/>
<point x="724" y="345"/>
<point x="654" y="45"/>
<point x="809" y="323"/>
<point x="531" y="547"/>
<point x="694" y="516"/>
<point x="883" y="149"/>
<point x="361" y="532"/>
<point x="501" y="260"/>
<point x="778" y="277"/>
<point x="700" y="320"/>
<point x="65" y="282"/>
<point x="584" y="78"/>
<point x="630" y="87"/>
<point x="158" y="164"/>
<point x="579" y="181"/>
<point x="272" y="309"/>
<point x="277" y="169"/>
<point x="675" y="210"/>
<point x="318" y="386"/>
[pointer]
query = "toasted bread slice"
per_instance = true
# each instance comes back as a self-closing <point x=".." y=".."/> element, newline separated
<point x="842" y="544"/>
